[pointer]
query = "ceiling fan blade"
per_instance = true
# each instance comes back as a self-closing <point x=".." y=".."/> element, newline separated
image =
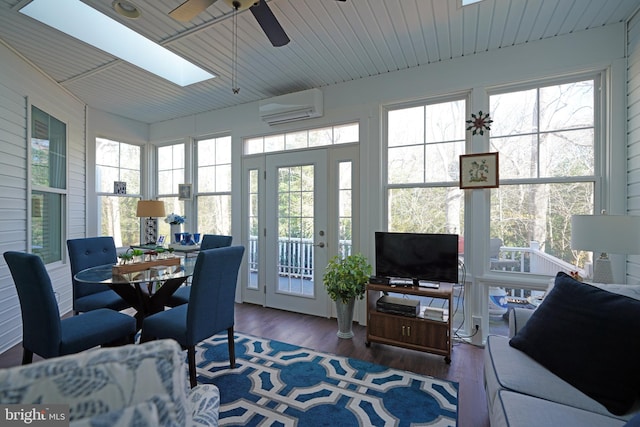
<point x="269" y="23"/>
<point x="190" y="9"/>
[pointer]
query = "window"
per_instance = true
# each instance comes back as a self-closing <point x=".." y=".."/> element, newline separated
<point x="48" y="185"/>
<point x="546" y="139"/>
<point x="118" y="162"/>
<point x="424" y="143"/>
<point x="213" y="194"/>
<point x="171" y="172"/>
<point x="341" y="134"/>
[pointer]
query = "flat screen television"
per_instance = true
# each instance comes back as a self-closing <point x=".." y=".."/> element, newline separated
<point x="417" y="256"/>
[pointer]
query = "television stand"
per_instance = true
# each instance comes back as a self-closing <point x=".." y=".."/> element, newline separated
<point x="422" y="333"/>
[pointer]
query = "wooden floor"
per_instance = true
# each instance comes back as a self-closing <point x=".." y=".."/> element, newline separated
<point x="320" y="334"/>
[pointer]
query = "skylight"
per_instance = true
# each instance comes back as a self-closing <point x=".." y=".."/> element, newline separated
<point x="468" y="2"/>
<point x="90" y="26"/>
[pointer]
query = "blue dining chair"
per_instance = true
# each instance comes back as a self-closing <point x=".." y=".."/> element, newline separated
<point x="210" y="308"/>
<point x="90" y="252"/>
<point x="209" y="241"/>
<point x="43" y="332"/>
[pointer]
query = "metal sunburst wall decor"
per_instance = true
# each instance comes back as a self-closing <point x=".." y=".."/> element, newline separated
<point x="479" y="123"/>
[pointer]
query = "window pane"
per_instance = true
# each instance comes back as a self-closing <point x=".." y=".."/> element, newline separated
<point x="442" y="162"/>
<point x="117" y="161"/>
<point x="254" y="227"/>
<point x="514" y="113"/>
<point x="48" y="150"/>
<point x="567" y="153"/>
<point x="445" y="121"/>
<point x="346" y="133"/>
<point x="518" y="156"/>
<point x="170" y="168"/>
<point x="426" y="210"/>
<point x="406" y="126"/>
<point x="567" y="106"/>
<point x="46" y="225"/>
<point x="173" y="205"/>
<point x="345" y="213"/>
<point x="215" y="214"/>
<point x="118" y="219"/>
<point x="406" y="164"/>
<point x="541" y="213"/>
<point x="320" y="137"/>
<point x="105" y="176"/>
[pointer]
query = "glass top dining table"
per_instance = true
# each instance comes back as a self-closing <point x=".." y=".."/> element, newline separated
<point x="104" y="274"/>
<point x="147" y="291"/>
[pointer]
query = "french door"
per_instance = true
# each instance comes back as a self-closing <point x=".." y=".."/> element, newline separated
<point x="296" y="247"/>
<point x="293" y="225"/>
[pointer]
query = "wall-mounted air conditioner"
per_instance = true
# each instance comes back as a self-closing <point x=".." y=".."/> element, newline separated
<point x="291" y="107"/>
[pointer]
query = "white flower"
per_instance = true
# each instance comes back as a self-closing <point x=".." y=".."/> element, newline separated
<point x="174" y="219"/>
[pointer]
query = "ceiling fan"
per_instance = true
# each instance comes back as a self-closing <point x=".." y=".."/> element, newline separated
<point x="260" y="10"/>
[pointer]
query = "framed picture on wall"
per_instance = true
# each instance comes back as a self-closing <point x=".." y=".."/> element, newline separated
<point x="184" y="192"/>
<point x="479" y="171"/>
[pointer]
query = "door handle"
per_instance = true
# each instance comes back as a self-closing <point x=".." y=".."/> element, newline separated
<point x="320" y="245"/>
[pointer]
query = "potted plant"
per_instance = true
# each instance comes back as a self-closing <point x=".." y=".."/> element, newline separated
<point x="345" y="280"/>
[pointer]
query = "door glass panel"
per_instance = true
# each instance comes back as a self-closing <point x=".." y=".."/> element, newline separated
<point x="295" y="230"/>
<point x="253" y="229"/>
<point x="345" y="190"/>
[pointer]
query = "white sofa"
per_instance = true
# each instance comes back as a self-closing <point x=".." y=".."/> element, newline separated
<point x="521" y="392"/>
<point x="137" y="384"/>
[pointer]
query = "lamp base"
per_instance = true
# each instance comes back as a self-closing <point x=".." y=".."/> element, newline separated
<point x="602" y="271"/>
<point x="150" y="234"/>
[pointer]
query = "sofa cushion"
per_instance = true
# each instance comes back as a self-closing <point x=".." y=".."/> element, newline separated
<point x="507" y="368"/>
<point x="515" y="409"/>
<point x="590" y="338"/>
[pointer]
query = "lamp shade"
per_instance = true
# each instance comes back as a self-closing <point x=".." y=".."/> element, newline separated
<point x="150" y="208"/>
<point x="617" y="234"/>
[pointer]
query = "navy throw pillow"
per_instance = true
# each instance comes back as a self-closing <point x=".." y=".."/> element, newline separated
<point x="590" y="338"/>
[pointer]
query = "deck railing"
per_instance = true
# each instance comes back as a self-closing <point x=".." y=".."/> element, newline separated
<point x="533" y="260"/>
<point x="295" y="258"/>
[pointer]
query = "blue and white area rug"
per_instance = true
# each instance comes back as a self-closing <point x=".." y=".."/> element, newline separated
<point x="278" y="384"/>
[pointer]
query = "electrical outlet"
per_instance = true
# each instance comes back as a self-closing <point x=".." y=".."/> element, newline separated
<point x="477" y="323"/>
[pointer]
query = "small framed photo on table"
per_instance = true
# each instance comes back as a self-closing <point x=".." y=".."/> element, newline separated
<point x="184" y="192"/>
<point x="479" y="171"/>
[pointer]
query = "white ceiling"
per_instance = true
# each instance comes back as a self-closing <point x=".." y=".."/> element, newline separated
<point x="331" y="42"/>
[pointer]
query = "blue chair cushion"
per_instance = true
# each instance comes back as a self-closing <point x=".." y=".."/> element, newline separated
<point x="168" y="324"/>
<point x="180" y="296"/>
<point x="104" y="299"/>
<point x="94" y="328"/>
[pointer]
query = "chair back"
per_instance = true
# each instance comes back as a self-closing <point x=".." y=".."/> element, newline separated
<point x="211" y="241"/>
<point x="41" y="328"/>
<point x="89" y="252"/>
<point x="495" y="244"/>
<point x="213" y="289"/>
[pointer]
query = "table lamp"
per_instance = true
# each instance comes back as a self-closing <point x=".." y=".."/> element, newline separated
<point x="150" y="209"/>
<point x="618" y="234"/>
